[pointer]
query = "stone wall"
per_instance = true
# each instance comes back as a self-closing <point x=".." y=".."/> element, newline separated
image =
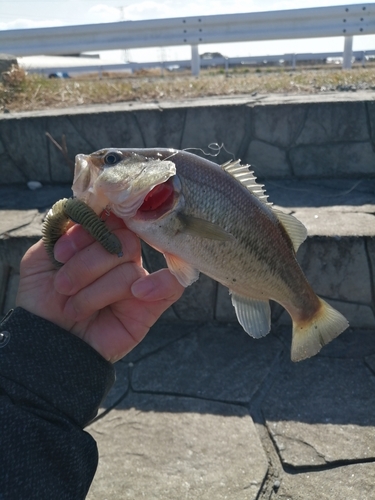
<point x="288" y="137"/>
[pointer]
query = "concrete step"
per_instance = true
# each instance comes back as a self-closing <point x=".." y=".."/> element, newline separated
<point x="338" y="256"/>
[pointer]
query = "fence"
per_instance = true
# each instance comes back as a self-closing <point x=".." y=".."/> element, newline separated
<point x="224" y="62"/>
<point x="345" y="20"/>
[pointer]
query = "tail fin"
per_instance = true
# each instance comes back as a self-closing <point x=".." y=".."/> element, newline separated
<point x="310" y="337"/>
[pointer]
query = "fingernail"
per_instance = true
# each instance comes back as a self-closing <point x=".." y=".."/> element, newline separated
<point x="142" y="287"/>
<point x="64" y="250"/>
<point x="63" y="283"/>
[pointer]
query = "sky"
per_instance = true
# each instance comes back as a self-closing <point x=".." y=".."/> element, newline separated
<point x="20" y="14"/>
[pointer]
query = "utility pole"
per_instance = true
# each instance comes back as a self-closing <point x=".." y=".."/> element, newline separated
<point x="125" y="55"/>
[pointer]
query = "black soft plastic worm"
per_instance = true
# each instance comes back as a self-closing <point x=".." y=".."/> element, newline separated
<point x="73" y="209"/>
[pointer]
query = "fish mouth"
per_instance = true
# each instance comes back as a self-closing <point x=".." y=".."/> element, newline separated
<point x="161" y="200"/>
<point x="159" y="197"/>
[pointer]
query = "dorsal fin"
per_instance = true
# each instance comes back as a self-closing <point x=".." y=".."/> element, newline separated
<point x="247" y="178"/>
<point x="295" y="229"/>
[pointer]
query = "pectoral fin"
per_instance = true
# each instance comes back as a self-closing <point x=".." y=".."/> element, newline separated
<point x="184" y="272"/>
<point x="203" y="228"/>
<point x="253" y="315"/>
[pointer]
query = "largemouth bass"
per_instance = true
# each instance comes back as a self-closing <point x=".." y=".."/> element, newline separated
<point x="216" y="220"/>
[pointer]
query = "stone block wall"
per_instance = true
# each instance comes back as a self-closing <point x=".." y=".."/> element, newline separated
<point x="289" y="138"/>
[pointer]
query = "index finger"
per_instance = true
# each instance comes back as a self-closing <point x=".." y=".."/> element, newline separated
<point x="93" y="261"/>
<point x="77" y="238"/>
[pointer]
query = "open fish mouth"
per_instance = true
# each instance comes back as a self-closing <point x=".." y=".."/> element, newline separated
<point x="123" y="183"/>
<point x="159" y="198"/>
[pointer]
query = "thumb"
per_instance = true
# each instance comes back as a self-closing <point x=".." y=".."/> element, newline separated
<point x="161" y="285"/>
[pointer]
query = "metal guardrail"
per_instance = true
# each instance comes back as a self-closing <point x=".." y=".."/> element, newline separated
<point x="345" y="20"/>
<point x="225" y="62"/>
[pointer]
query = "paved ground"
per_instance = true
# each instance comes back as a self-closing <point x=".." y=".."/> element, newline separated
<point x="206" y="412"/>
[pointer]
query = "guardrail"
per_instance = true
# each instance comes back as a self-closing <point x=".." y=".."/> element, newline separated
<point x="225" y="62"/>
<point x="345" y="20"/>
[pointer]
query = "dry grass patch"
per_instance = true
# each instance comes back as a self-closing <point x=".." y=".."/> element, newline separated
<point x="23" y="92"/>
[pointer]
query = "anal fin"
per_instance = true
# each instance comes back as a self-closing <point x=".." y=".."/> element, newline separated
<point x="253" y="315"/>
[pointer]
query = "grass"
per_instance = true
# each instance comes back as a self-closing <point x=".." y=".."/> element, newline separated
<point x="23" y="92"/>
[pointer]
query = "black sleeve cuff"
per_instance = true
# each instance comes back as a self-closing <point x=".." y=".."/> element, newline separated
<point x="53" y="366"/>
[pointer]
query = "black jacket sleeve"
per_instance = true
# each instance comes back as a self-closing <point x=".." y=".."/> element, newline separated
<point x="51" y="385"/>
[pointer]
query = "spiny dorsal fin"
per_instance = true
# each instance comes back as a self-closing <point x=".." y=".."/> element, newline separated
<point x="295" y="229"/>
<point x="247" y="178"/>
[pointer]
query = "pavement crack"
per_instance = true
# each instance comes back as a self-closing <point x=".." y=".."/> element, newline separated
<point x="8" y="233"/>
<point x="109" y="409"/>
<point x="301" y="469"/>
<point x="275" y="469"/>
<point x="303" y="443"/>
<point x="193" y="397"/>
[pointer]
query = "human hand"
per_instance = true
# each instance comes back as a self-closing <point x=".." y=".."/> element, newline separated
<point x="107" y="301"/>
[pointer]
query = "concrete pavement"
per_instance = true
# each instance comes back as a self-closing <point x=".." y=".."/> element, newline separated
<point x="206" y="412"/>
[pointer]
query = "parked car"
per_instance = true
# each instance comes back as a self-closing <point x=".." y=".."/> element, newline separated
<point x="59" y="75"/>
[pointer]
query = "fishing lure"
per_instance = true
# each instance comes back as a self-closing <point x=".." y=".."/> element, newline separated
<point x="59" y="219"/>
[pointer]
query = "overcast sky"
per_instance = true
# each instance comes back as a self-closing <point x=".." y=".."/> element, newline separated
<point x="15" y="14"/>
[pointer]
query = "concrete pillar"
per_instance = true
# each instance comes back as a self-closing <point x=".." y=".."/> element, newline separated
<point x="348" y="52"/>
<point x="195" y="61"/>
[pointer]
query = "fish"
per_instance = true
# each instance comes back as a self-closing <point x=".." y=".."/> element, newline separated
<point x="217" y="220"/>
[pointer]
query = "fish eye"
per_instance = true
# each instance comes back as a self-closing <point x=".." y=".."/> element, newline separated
<point x="112" y="158"/>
